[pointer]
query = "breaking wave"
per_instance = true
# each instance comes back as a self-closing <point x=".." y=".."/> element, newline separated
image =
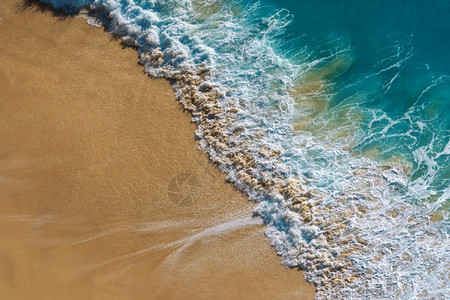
<point x="353" y="194"/>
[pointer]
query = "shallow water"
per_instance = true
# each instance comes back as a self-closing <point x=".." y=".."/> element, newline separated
<point x="353" y="99"/>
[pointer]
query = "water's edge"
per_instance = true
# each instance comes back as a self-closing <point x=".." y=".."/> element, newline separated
<point x="309" y="230"/>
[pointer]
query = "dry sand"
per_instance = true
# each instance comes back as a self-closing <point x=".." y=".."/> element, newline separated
<point x="103" y="194"/>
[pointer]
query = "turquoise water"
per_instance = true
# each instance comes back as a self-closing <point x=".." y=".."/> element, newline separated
<point x="332" y="115"/>
<point x="398" y="75"/>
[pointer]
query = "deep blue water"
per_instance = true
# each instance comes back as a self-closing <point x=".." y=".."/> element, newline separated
<point x="400" y="66"/>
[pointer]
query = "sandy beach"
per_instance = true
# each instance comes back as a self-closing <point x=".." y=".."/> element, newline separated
<point x="103" y="193"/>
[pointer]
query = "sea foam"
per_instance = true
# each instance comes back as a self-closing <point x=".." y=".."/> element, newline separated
<point x="349" y="220"/>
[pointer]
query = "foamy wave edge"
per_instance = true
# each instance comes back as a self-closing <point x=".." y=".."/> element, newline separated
<point x="296" y="226"/>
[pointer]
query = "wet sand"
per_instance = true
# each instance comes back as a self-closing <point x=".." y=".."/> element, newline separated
<point x="103" y="194"/>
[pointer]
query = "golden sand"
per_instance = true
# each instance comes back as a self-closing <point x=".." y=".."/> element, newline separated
<point x="103" y="194"/>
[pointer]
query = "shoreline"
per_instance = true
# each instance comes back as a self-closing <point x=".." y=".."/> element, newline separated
<point x="105" y="192"/>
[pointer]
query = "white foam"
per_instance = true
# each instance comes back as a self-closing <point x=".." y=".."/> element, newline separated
<point x="364" y="227"/>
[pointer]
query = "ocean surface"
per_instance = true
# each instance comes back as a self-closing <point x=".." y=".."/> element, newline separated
<point x="334" y="116"/>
